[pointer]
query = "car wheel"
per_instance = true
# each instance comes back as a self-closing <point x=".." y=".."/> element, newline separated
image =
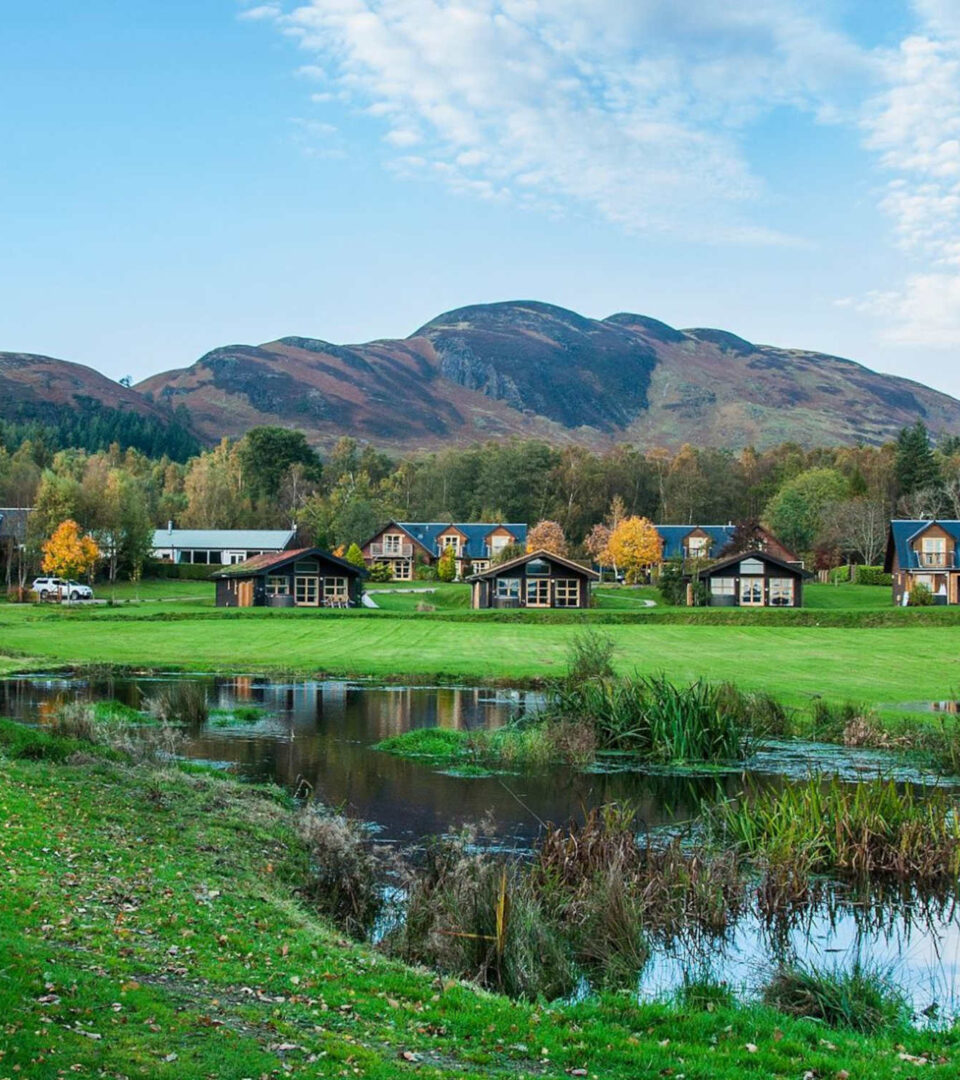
<point x="43" y="594"/>
<point x="74" y="596"/>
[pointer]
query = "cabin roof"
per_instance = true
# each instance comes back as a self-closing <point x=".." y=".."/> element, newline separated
<point x="223" y="539"/>
<point x="674" y="535"/>
<point x="521" y="560"/>
<point x="903" y="531"/>
<point x="274" y="560"/>
<point x="426" y="533"/>
<point x="756" y="553"/>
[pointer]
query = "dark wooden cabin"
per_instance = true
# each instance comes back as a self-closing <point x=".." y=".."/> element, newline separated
<point x="539" y="579"/>
<point x="304" y="577"/>
<point x="754" y="579"/>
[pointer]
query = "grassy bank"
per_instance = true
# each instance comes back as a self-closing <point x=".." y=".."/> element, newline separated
<point x="151" y="927"/>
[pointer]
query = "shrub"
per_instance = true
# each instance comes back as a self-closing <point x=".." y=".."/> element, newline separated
<point x="425" y="572"/>
<point x="872" y="575"/>
<point x="447" y="565"/>
<point x="920" y="596"/>
<point x="863" y="999"/>
<point x="20" y="594"/>
<point x="423" y="606"/>
<point x="673" y="586"/>
<point x="840" y="574"/>
<point x="381" y="572"/>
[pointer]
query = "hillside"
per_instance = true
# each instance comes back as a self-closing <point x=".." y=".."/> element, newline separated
<point x="528" y="369"/>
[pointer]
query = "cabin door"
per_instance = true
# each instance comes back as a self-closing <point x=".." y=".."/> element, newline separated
<point x="245" y="594"/>
<point x="751" y="592"/>
<point x="307" y="590"/>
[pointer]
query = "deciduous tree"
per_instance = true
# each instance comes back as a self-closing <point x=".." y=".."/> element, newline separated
<point x="68" y="553"/>
<point x="547" y="536"/>
<point x="635" y="546"/>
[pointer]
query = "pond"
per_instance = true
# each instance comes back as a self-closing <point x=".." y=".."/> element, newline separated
<point x="322" y="732"/>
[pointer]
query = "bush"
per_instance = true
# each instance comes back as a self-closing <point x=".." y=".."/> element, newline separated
<point x="425" y="572"/>
<point x="20" y="594"/>
<point x="863" y="999"/>
<point x="920" y="596"/>
<point x="186" y="571"/>
<point x="872" y="575"/>
<point x="673" y="587"/>
<point x="381" y="572"/>
<point x="840" y="574"/>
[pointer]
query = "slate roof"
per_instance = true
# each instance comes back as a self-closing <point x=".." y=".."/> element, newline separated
<point x="903" y="531"/>
<point x="223" y="539"/>
<point x="272" y="560"/>
<point x="426" y="533"/>
<point x="674" y="535"/>
<point x="521" y="560"/>
<point x="762" y="556"/>
<point x="13" y="523"/>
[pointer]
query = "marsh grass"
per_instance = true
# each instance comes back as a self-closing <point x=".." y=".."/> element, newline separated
<point x="864" y="999"/>
<point x="660" y="721"/>
<point x="183" y="701"/>
<point x="345" y="880"/>
<point x="119" y="729"/>
<point x="237" y="714"/>
<point x="852" y="830"/>
<point x="704" y="993"/>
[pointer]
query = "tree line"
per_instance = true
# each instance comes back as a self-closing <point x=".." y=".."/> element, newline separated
<point x="828" y="503"/>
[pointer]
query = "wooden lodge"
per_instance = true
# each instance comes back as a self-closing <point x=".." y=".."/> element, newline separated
<point x="400" y="545"/>
<point x="754" y="579"/>
<point x="539" y="579"/>
<point x="697" y="542"/>
<point x="303" y="577"/>
<point x="924" y="552"/>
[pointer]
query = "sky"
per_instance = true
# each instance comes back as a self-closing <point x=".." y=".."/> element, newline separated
<point x="183" y="175"/>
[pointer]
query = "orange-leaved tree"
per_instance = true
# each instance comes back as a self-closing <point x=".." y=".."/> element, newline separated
<point x="596" y="544"/>
<point x="635" y="546"/>
<point x="547" y="536"/>
<point x="68" y="553"/>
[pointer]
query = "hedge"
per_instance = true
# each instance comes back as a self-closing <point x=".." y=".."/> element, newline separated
<point x="873" y="575"/>
<point x="188" y="571"/>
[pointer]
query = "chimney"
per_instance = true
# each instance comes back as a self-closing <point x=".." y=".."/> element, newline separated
<point x="170" y="527"/>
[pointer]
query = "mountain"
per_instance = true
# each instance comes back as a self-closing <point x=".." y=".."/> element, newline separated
<point x="527" y="368"/>
<point x="77" y="406"/>
<point x="531" y="369"/>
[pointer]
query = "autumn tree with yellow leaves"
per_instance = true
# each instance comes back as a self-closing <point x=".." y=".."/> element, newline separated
<point x="547" y="536"/>
<point x="634" y="547"/>
<point x="68" y="553"/>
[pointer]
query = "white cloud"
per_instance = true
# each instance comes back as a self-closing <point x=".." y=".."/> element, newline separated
<point x="262" y="11"/>
<point x="914" y="126"/>
<point x="635" y="110"/>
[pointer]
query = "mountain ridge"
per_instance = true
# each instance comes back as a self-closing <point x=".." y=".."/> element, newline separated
<point x="527" y="369"/>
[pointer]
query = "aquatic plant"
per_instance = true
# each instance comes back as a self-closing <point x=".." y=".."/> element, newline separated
<point x="701" y="992"/>
<point x="589" y="656"/>
<point x="658" y="720"/>
<point x="864" y="999"/>
<point x="855" y="830"/>
<point x="345" y="878"/>
<point x="183" y="701"/>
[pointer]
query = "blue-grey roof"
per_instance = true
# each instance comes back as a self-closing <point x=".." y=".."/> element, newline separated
<point x="674" y="535"/>
<point x="426" y="533"/>
<point x="13" y="523"/>
<point x="224" y="539"/>
<point x="902" y="532"/>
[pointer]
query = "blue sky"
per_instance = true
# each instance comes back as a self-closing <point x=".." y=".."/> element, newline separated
<point x="179" y="176"/>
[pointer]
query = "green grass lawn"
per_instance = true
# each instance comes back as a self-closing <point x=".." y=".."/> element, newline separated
<point x="150" y="927"/>
<point x="868" y="665"/>
<point x="443" y="596"/>
<point x="156" y="589"/>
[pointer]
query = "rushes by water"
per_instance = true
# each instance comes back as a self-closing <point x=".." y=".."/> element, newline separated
<point x="854" y="830"/>
<point x="659" y="721"/>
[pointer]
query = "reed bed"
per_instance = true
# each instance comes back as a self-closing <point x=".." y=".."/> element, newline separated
<point x="864" y="999"/>
<point x="860" y="830"/>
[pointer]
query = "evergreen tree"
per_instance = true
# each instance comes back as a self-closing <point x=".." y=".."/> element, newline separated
<point x="916" y="467"/>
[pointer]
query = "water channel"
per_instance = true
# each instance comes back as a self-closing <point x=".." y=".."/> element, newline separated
<point x="323" y="732"/>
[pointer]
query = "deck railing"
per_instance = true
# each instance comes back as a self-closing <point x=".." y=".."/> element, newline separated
<point x="382" y="551"/>
<point x="935" y="560"/>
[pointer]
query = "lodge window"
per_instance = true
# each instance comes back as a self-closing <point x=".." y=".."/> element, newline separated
<point x="450" y="541"/>
<point x="697" y="546"/>
<point x="508" y="588"/>
<point x="402" y="570"/>
<point x="781" y="592"/>
<point x="307" y="566"/>
<point x="391" y="544"/>
<point x="278" y="585"/>
<point x="335" y="588"/>
<point x="723" y="586"/>
<point x="538" y="568"/>
<point x="933" y="551"/>
<point x="566" y="592"/>
<point x="538" y="592"/>
<point x="751" y="591"/>
<point x="480" y="565"/>
<point x="498" y="543"/>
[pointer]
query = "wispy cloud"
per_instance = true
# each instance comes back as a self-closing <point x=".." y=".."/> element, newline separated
<point x="635" y="111"/>
<point x="914" y="125"/>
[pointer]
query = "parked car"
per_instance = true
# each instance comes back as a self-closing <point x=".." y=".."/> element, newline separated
<point x="47" y="587"/>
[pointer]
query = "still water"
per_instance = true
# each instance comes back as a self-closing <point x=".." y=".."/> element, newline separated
<point x="322" y="732"/>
